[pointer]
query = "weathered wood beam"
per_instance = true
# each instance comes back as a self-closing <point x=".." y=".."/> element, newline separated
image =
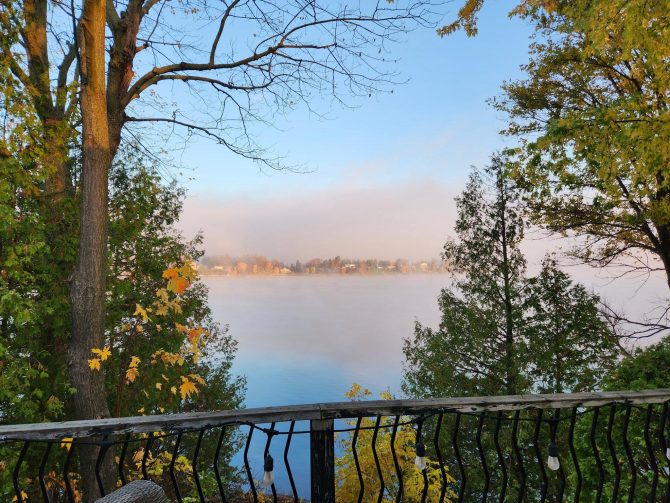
<point x="334" y="410"/>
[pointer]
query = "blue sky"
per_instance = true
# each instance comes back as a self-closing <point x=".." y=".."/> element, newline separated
<point x="410" y="151"/>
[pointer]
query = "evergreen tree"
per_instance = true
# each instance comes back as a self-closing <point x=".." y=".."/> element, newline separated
<point x="475" y="350"/>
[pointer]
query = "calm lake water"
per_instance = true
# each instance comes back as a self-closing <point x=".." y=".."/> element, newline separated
<point x="305" y="339"/>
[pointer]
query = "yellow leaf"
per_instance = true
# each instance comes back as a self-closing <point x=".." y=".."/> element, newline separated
<point x="103" y="353"/>
<point x="66" y="443"/>
<point x="24" y="497"/>
<point x="187" y="388"/>
<point x="131" y="374"/>
<point x="170" y="273"/>
<point x="140" y="410"/>
<point x="178" y="285"/>
<point x="134" y="361"/>
<point x="159" y="385"/>
<point x="195" y="333"/>
<point x="140" y="311"/>
<point x="94" y="364"/>
<point x="173" y="390"/>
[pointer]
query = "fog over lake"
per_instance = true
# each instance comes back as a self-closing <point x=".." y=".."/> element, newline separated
<point x="308" y="338"/>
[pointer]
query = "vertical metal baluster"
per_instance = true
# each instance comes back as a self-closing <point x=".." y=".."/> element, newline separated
<point x="17" y="472"/>
<point x="145" y="455"/>
<point x="398" y="472"/>
<point x="43" y="465"/>
<point x="596" y="454"/>
<point x="440" y="459"/>
<point x="573" y="455"/>
<point x="501" y="458"/>
<point x="459" y="459"/>
<point x="66" y="476"/>
<point x="217" y="473"/>
<point x="196" y="475"/>
<point x="356" y="462"/>
<point x="122" y="458"/>
<point x="247" y="468"/>
<point x="612" y="449"/>
<point x="286" y="463"/>
<point x="265" y="453"/>
<point x="629" y="455"/>
<point x="539" y="455"/>
<point x="662" y="439"/>
<point x="518" y="456"/>
<point x="561" y="469"/>
<point x="380" y="497"/>
<point x="419" y="430"/>
<point x="482" y="457"/>
<point x="650" y="453"/>
<point x="98" y="463"/>
<point x="173" y="474"/>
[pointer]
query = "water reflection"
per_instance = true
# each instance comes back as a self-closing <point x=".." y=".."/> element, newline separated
<point x="307" y="339"/>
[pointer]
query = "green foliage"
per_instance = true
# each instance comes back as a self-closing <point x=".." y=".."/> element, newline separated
<point x="475" y="350"/>
<point x="500" y="330"/>
<point x="591" y="120"/>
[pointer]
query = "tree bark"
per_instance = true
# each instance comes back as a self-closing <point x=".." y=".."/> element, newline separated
<point x="88" y="282"/>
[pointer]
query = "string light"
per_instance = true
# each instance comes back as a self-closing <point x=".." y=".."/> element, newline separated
<point x="552" y="461"/>
<point x="268" y="469"/>
<point x="420" y="460"/>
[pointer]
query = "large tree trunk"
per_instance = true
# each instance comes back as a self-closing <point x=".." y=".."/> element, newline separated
<point x="88" y="282"/>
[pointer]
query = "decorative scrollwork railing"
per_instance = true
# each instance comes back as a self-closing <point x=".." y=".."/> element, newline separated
<point x="610" y="446"/>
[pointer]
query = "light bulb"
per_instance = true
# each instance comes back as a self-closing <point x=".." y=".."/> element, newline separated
<point x="268" y="471"/>
<point x="552" y="461"/>
<point x="420" y="460"/>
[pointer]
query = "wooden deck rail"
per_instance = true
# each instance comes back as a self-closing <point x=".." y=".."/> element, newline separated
<point x="331" y="410"/>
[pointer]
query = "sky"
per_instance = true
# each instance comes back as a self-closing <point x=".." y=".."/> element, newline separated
<point x="377" y="180"/>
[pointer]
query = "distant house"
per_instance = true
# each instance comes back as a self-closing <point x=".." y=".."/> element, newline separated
<point x="285" y="270"/>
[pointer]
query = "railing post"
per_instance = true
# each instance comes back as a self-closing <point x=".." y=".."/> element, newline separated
<point x="322" y="460"/>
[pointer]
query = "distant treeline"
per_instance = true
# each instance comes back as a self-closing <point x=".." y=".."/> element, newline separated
<point x="259" y="264"/>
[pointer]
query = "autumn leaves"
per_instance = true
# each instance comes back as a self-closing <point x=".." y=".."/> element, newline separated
<point x="169" y="299"/>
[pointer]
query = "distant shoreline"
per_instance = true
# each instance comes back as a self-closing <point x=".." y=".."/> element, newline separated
<point x="321" y="274"/>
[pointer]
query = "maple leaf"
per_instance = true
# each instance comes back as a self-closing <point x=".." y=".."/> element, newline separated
<point x="103" y="353"/>
<point x="173" y="390"/>
<point x="94" y="363"/>
<point x="66" y="443"/>
<point x="178" y="285"/>
<point x="170" y="273"/>
<point x="135" y="361"/>
<point x="140" y="311"/>
<point x="24" y="497"/>
<point x="187" y="388"/>
<point x="131" y="374"/>
<point x="195" y="333"/>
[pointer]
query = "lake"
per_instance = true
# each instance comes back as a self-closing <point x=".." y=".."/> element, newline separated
<point x="305" y="339"/>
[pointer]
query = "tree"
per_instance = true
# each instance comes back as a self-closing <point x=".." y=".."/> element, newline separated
<point x="477" y="345"/>
<point x="570" y="346"/>
<point x="590" y="117"/>
<point x="143" y="244"/>
<point x="502" y="331"/>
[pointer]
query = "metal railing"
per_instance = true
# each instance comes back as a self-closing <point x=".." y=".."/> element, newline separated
<point x="610" y="446"/>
